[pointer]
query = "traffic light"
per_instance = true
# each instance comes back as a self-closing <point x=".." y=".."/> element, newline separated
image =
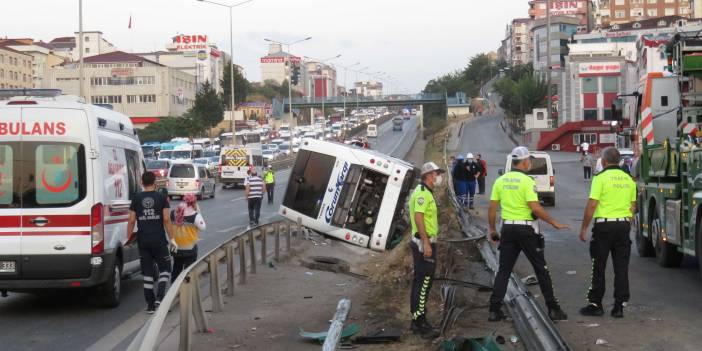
<point x="295" y="76"/>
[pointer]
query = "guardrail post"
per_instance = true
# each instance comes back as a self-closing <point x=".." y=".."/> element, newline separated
<point x="198" y="311"/>
<point x="252" y="247"/>
<point x="242" y="260"/>
<point x="230" y="270"/>
<point x="288" y="242"/>
<point x="264" y="241"/>
<point x="298" y="232"/>
<point x="276" y="232"/>
<point x="186" y="306"/>
<point x="215" y="289"/>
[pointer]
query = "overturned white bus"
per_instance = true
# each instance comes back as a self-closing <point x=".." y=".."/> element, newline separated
<point x="352" y="194"/>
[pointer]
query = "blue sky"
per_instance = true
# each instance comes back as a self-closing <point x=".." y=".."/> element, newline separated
<point x="411" y="40"/>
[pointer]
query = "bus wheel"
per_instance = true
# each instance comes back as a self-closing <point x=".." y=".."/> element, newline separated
<point x="644" y="247"/>
<point x="698" y="242"/>
<point x="667" y="255"/>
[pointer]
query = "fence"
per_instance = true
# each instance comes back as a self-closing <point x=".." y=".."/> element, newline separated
<point x="218" y="268"/>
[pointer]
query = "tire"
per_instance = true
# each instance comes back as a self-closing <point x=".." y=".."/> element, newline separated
<point x="644" y="246"/>
<point x="201" y="195"/>
<point x="667" y="255"/>
<point x="109" y="292"/>
<point x="214" y="190"/>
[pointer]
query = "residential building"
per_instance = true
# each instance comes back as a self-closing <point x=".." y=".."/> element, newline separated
<point x="140" y="88"/>
<point x="369" y="88"/>
<point x="632" y="31"/>
<point x="43" y="56"/>
<point x="93" y="44"/>
<point x="319" y="79"/>
<point x="611" y="12"/>
<point x="562" y="31"/>
<point x="15" y="69"/>
<point x="583" y="10"/>
<point x="195" y="55"/>
<point x="520" y="41"/>
<point x="696" y="6"/>
<point x="275" y="67"/>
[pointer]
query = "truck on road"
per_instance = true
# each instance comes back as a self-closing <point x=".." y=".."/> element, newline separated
<point x="397" y="123"/>
<point x="668" y="115"/>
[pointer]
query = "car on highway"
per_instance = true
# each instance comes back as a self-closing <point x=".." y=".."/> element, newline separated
<point x="397" y="123"/>
<point x="543" y="174"/>
<point x="372" y="131"/>
<point x="160" y="169"/>
<point x="210" y="164"/>
<point x="187" y="177"/>
<point x="285" y="148"/>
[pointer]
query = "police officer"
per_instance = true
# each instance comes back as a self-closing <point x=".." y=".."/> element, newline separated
<point x="425" y="229"/>
<point x="612" y="204"/>
<point x="514" y="193"/>
<point x="269" y="179"/>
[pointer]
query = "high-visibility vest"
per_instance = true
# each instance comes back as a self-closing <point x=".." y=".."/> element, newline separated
<point x="269" y="177"/>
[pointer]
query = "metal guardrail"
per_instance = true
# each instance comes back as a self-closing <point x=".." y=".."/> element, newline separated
<point x="185" y="290"/>
<point x="532" y="323"/>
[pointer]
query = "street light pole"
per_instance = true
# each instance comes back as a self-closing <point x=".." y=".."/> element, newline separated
<point x="232" y="67"/>
<point x="346" y="93"/>
<point x="81" y="78"/>
<point x="548" y="59"/>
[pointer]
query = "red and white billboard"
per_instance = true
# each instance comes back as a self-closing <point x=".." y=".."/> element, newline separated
<point x="191" y="42"/>
<point x="568" y="8"/>
<point x="279" y="59"/>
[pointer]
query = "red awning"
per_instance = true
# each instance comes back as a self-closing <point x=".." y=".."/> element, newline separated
<point x="142" y="120"/>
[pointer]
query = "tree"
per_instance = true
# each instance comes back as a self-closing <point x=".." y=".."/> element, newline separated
<point x="165" y="129"/>
<point x="208" y="110"/>
<point x="521" y="95"/>
<point x="241" y="86"/>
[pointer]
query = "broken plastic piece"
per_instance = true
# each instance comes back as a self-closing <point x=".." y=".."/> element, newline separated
<point x="530" y="280"/>
<point x="379" y="336"/>
<point x="351" y="330"/>
<point x="601" y="342"/>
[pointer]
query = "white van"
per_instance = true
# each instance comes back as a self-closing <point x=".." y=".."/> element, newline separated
<point x="67" y="173"/>
<point x="187" y="152"/>
<point x="543" y="173"/>
<point x="372" y="131"/>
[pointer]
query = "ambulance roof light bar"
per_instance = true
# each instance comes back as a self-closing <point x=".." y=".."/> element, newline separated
<point x="10" y="93"/>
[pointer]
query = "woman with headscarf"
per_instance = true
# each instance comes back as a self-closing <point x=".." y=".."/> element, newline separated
<point x="187" y="224"/>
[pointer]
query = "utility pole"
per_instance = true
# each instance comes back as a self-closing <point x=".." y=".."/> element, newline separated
<point x="549" y="101"/>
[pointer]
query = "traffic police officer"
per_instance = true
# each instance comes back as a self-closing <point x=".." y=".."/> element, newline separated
<point x="514" y="193"/>
<point x="425" y="229"/>
<point x="612" y="204"/>
<point x="269" y="179"/>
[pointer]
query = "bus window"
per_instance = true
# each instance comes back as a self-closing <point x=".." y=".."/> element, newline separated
<point x="308" y="182"/>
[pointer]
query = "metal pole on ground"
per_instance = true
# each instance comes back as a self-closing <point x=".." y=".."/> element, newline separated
<point x="337" y="324"/>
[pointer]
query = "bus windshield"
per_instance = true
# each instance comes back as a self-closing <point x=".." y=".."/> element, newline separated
<point x="308" y="182"/>
<point x="165" y="155"/>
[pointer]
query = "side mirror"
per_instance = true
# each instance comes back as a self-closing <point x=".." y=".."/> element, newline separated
<point x="500" y="171"/>
<point x="617" y="109"/>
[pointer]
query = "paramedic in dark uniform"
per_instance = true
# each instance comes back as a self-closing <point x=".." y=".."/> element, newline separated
<point x="612" y="204"/>
<point x="150" y="212"/>
<point x="424" y="218"/>
<point x="514" y="193"/>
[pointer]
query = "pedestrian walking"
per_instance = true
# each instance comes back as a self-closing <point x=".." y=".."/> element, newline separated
<point x="460" y="180"/>
<point x="514" y="193"/>
<point x="187" y="224"/>
<point x="473" y="171"/>
<point x="149" y="211"/>
<point x="483" y="174"/>
<point x="612" y="204"/>
<point x="586" y="160"/>
<point x="269" y="179"/>
<point x="424" y="217"/>
<point x="254" y="189"/>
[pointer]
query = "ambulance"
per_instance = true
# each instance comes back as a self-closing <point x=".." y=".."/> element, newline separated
<point x="67" y="173"/>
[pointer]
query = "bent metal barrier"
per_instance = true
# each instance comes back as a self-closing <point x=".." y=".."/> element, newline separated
<point x="531" y="321"/>
<point x="186" y="289"/>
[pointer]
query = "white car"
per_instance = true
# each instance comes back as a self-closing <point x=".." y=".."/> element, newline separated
<point x="543" y="174"/>
<point x="187" y="177"/>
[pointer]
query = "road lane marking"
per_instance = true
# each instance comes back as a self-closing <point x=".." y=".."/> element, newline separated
<point x="120" y="333"/>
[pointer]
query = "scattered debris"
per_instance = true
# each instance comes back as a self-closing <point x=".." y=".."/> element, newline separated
<point x="530" y="280"/>
<point x="459" y="343"/>
<point x="271" y="265"/>
<point x="309" y="273"/>
<point x="513" y="339"/>
<point x="500" y="339"/>
<point x="328" y="264"/>
<point x="307" y="297"/>
<point x="351" y="330"/>
<point x="571" y="272"/>
<point x="656" y="319"/>
<point x="379" y="336"/>
<point x="253" y="328"/>
<point x="592" y="325"/>
<point x="601" y="342"/>
<point x="341" y="284"/>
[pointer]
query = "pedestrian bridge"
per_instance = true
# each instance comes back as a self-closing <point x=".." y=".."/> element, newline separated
<point x="367" y="101"/>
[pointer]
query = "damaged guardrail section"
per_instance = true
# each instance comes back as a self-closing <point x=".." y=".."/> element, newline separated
<point x="531" y="321"/>
<point x="185" y="290"/>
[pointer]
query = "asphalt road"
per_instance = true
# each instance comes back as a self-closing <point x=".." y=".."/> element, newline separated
<point x="70" y="321"/>
<point x="665" y="307"/>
